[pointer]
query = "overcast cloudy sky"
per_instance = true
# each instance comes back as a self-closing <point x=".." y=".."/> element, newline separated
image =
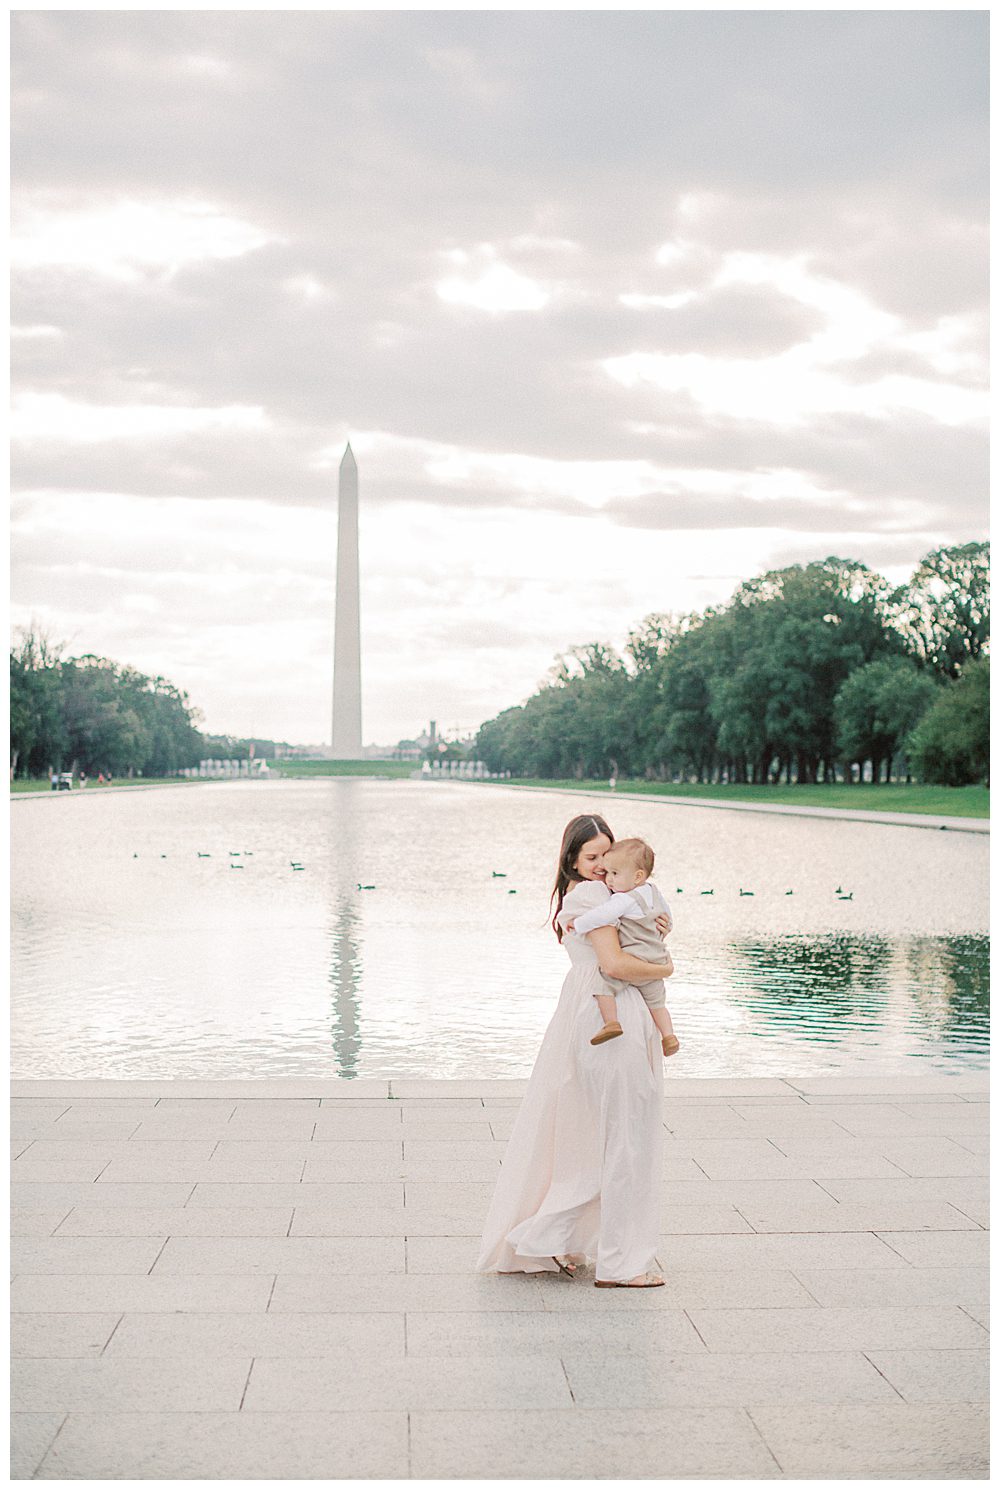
<point x="616" y="310"/>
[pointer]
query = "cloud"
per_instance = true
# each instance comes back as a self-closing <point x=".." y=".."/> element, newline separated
<point x="497" y="288"/>
<point x="49" y="417"/>
<point x="123" y="240"/>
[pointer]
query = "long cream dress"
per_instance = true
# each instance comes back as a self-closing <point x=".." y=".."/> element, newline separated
<point x="581" y="1172"/>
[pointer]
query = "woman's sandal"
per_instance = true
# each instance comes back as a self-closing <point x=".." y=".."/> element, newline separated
<point x="569" y="1268"/>
<point x="600" y="1283"/>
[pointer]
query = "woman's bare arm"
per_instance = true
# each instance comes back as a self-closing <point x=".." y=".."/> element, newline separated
<point x="618" y="964"/>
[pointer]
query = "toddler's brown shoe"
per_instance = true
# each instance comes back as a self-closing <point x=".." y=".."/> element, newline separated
<point x="609" y="1032"/>
<point x="671" y="1045"/>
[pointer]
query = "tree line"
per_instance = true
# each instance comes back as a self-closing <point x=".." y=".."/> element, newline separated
<point x="93" y="715"/>
<point x="811" y="673"/>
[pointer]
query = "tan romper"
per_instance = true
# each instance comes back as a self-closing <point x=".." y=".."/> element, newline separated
<point x="639" y="936"/>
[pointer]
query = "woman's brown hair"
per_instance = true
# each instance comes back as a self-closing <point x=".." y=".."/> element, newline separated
<point x="579" y="830"/>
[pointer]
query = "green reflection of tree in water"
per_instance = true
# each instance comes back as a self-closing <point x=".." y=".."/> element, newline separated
<point x="829" y="988"/>
<point x="948" y="978"/>
<point x="812" y="983"/>
<point x="345" y="980"/>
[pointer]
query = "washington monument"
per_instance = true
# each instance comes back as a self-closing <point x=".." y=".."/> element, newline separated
<point x="346" y="736"/>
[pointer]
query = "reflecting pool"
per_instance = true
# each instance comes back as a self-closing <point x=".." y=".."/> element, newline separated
<point x="168" y="932"/>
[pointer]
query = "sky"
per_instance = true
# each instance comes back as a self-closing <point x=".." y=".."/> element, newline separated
<point x="617" y="309"/>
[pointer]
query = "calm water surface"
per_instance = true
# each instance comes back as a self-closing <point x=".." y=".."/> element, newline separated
<point x="140" y="950"/>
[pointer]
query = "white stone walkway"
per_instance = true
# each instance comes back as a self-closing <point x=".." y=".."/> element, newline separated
<point x="272" y="1280"/>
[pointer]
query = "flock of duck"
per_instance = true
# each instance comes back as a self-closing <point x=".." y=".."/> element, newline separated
<point x="497" y="874"/>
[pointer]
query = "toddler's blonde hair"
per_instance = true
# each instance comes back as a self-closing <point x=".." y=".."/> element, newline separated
<point x="637" y="851"/>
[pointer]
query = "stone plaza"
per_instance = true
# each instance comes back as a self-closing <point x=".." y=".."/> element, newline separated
<point x="273" y="1280"/>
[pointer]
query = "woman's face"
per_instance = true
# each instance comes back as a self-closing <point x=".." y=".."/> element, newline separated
<point x="589" y="864"/>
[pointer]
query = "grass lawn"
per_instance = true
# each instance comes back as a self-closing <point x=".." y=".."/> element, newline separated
<point x="388" y="769"/>
<point x="391" y="769"/>
<point x="937" y="801"/>
<point x="42" y="783"/>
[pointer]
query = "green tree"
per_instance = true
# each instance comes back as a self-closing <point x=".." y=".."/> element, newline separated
<point x="877" y="707"/>
<point x="943" y="611"/>
<point x="951" y="744"/>
<point x="38" y="739"/>
<point x="794" y="635"/>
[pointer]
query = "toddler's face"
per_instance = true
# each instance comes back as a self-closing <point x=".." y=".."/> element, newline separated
<point x="621" y="874"/>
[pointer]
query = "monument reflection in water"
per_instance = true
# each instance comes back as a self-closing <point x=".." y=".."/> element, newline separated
<point x="345" y="945"/>
<point x="163" y="962"/>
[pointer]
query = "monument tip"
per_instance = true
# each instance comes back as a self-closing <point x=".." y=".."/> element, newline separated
<point x="347" y="459"/>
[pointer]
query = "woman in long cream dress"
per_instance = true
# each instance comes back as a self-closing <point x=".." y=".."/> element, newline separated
<point x="580" y="1178"/>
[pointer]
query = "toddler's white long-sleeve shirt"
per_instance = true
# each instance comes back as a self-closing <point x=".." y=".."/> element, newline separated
<point x="624" y="905"/>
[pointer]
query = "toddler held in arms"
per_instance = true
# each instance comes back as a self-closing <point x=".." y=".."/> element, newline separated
<point x="632" y="907"/>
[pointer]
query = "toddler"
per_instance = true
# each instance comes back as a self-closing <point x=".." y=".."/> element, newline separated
<point x="632" y="907"/>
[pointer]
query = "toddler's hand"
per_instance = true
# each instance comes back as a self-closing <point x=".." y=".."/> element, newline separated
<point x="570" y="923"/>
<point x="664" y="925"/>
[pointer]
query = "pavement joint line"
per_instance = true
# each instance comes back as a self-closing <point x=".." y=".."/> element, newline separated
<point x="687" y="1316"/>
<point x="69" y="1213"/>
<point x="756" y="1427"/>
<point x="246" y="1384"/>
<point x="156" y="1259"/>
<point x="804" y="1286"/>
<point x="50" y="1447"/>
<point x="883" y="1375"/>
<point x="111" y="1336"/>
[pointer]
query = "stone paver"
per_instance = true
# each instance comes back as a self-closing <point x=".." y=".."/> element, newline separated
<point x="581" y="1442"/>
<point x="112" y="1385"/>
<point x="900" y="1440"/>
<point x="940" y="1249"/>
<point x="229" y="1445"/>
<point x="729" y="1380"/>
<point x="312" y="1384"/>
<point x="935" y="1375"/>
<point x="274" y="1280"/>
<point x="940" y="1327"/>
<point x="846" y="1288"/>
<point x="349" y="1337"/>
<point x="53" y="1336"/>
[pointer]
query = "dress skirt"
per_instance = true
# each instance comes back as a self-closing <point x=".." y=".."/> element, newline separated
<point x="581" y="1172"/>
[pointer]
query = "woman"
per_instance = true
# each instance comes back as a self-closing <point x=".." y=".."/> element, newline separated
<point x="581" y="1173"/>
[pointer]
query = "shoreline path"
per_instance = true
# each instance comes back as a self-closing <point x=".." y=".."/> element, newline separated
<point x="229" y="1279"/>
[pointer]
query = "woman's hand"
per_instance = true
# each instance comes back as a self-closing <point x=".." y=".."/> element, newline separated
<point x="568" y="925"/>
<point x="665" y="925"/>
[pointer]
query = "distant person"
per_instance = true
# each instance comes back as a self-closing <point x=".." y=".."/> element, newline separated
<point x="55" y="781"/>
<point x="581" y="1173"/>
<point x="632" y="907"/>
<point x="83" y="779"/>
<point x="100" y="778"/>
